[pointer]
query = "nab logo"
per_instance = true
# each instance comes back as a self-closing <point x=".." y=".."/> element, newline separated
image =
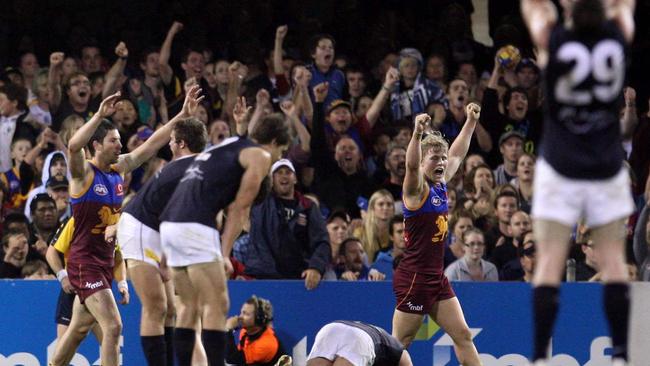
<point x="119" y="189"/>
<point x="414" y="307"/>
<point x="93" y="285"/>
<point x="100" y="189"/>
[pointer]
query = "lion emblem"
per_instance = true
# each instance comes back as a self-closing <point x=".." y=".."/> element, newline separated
<point x="442" y="225"/>
<point x="108" y="217"/>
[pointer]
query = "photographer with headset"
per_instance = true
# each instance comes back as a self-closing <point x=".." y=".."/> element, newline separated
<point x="258" y="344"/>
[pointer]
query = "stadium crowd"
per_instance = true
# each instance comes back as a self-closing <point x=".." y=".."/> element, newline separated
<point x="334" y="207"/>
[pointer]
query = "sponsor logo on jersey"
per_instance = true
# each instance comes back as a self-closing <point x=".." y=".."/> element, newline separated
<point x="414" y="307"/>
<point x="119" y="188"/>
<point x="436" y="201"/>
<point x="100" y="189"/>
<point x="93" y="285"/>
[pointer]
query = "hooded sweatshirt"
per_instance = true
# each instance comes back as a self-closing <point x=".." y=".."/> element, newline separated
<point x="44" y="177"/>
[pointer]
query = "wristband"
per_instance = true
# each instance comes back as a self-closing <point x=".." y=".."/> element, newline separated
<point x="385" y="88"/>
<point x="123" y="285"/>
<point x="60" y="275"/>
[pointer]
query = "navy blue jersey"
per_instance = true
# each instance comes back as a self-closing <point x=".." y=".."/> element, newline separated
<point x="152" y="198"/>
<point x="584" y="82"/>
<point x="388" y="350"/>
<point x="209" y="185"/>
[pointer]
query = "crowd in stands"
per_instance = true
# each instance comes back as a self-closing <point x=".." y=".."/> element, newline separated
<point x="333" y="211"/>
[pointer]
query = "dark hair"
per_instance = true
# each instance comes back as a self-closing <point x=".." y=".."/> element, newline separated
<point x="10" y="234"/>
<point x="41" y="197"/>
<point x="506" y="193"/>
<point x="94" y="76"/>
<point x="588" y="16"/>
<point x="57" y="156"/>
<point x="66" y="82"/>
<point x="15" y="93"/>
<point x="508" y="95"/>
<point x="101" y="131"/>
<point x="397" y="219"/>
<point x="15" y="217"/>
<point x="457" y="215"/>
<point x="146" y="52"/>
<point x="345" y="242"/>
<point x="314" y="40"/>
<point x="192" y="132"/>
<point x="273" y="127"/>
<point x="32" y="267"/>
<point x="355" y="69"/>
<point x="187" y="53"/>
<point x="468" y="181"/>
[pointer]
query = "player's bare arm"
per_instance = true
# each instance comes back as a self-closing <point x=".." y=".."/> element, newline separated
<point x="414" y="185"/>
<point x="459" y="148"/>
<point x="540" y="17"/>
<point x="149" y="148"/>
<point x="257" y="163"/>
<point x="77" y="162"/>
<point x="622" y="13"/>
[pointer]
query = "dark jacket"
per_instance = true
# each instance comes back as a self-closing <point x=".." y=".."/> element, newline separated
<point x="283" y="247"/>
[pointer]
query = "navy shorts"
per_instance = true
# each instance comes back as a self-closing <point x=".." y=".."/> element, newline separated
<point x="64" y="308"/>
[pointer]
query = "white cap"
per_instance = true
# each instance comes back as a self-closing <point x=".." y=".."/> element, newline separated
<point x="282" y="162"/>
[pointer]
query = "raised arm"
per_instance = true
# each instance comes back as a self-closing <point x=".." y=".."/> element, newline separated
<point x="262" y="99"/>
<point x="392" y="76"/>
<point x="459" y="148"/>
<point x="54" y="79"/>
<point x="116" y="70"/>
<point x="301" y="97"/>
<point x="241" y="114"/>
<point x="149" y="148"/>
<point x="280" y="33"/>
<point x="540" y="17"/>
<point x="80" y="139"/>
<point x="622" y="12"/>
<point x="413" y="185"/>
<point x="236" y="74"/>
<point x="289" y="110"/>
<point x="166" y="71"/>
<point x="630" y="118"/>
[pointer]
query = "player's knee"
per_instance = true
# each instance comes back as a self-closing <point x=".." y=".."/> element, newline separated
<point x="156" y="310"/>
<point x="112" y="330"/>
<point x="462" y="336"/>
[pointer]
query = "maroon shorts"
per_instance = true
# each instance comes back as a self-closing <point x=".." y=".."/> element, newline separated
<point x="88" y="279"/>
<point x="416" y="293"/>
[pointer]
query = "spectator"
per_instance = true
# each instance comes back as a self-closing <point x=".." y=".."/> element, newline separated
<point x="387" y="261"/>
<point x="13" y="111"/>
<point x="352" y="266"/>
<point x="511" y="149"/>
<point x="472" y="266"/>
<point x="288" y="236"/>
<point x="14" y="249"/>
<point x="218" y="131"/>
<point x="479" y="181"/>
<point x="528" y="74"/>
<point x="587" y="267"/>
<point x="504" y="253"/>
<point x="323" y="70"/>
<point x="55" y="165"/>
<point x="395" y="163"/>
<point x="450" y="119"/>
<point x="39" y="102"/>
<point x="516" y="117"/>
<point x="29" y="68"/>
<point x="523" y="267"/>
<point x="339" y="179"/>
<point x="505" y="205"/>
<point x="16" y="222"/>
<point x="258" y="343"/>
<point x="376" y="159"/>
<point x="127" y="120"/>
<point x="91" y="59"/>
<point x="44" y="224"/>
<point x="459" y="222"/>
<point x="36" y="270"/>
<point x="356" y="81"/>
<point x="18" y="179"/>
<point x="467" y="72"/>
<point x="337" y="228"/>
<point x="57" y="188"/>
<point x="413" y="93"/>
<point x="216" y="75"/>
<point x="436" y="70"/>
<point x="69" y="126"/>
<point x="524" y="181"/>
<point x="375" y="232"/>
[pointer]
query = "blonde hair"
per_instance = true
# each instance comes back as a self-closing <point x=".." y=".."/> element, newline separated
<point x="67" y="127"/>
<point x="433" y="140"/>
<point x="371" y="238"/>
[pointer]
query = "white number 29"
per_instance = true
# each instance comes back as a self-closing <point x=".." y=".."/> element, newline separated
<point x="605" y="63"/>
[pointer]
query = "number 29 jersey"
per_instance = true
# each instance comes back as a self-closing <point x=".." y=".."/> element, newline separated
<point x="584" y="80"/>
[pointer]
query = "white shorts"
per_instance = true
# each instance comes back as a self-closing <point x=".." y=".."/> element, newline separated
<point x="340" y="340"/>
<point x="186" y="243"/>
<point x="138" y="241"/>
<point x="565" y="200"/>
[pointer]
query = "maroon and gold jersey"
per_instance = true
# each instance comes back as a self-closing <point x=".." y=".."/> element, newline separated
<point x="425" y="231"/>
<point x="93" y="210"/>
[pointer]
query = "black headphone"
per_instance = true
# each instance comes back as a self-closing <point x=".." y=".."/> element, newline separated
<point x="261" y="318"/>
